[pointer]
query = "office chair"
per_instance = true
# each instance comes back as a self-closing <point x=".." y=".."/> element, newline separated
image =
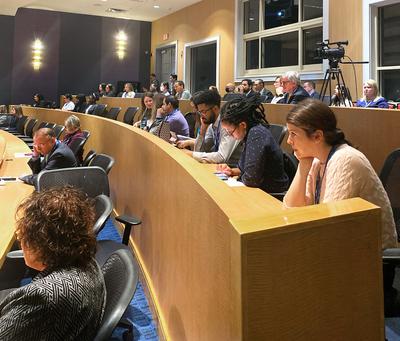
<point x="130" y="115"/>
<point x="86" y="133"/>
<point x="121" y="277"/>
<point x="103" y="208"/>
<point x="102" y="160"/>
<point x="77" y="148"/>
<point x="190" y="118"/>
<point x="58" y="129"/>
<point x="19" y="129"/>
<point x="112" y="114"/>
<point x="278" y="131"/>
<point x="92" y="180"/>
<point x="99" y="109"/>
<point x="28" y="129"/>
<point x="89" y="156"/>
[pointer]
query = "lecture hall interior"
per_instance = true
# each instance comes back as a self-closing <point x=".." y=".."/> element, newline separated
<point x="208" y="258"/>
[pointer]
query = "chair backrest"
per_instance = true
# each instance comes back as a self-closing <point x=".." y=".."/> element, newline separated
<point x="50" y="125"/>
<point x="104" y="161"/>
<point x="21" y="124"/>
<point x="92" y="180"/>
<point x="41" y="125"/>
<point x="120" y="273"/>
<point x="86" y="133"/>
<point x="58" y="129"/>
<point x="29" y="127"/>
<point x="191" y="121"/>
<point x="390" y="177"/>
<point x="112" y="114"/>
<point x="103" y="207"/>
<point x="99" y="109"/>
<point x="130" y="115"/>
<point x="77" y="145"/>
<point x="89" y="156"/>
<point x="278" y="131"/>
<point x="290" y="164"/>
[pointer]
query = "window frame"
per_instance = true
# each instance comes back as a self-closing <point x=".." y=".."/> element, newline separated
<point x="311" y="71"/>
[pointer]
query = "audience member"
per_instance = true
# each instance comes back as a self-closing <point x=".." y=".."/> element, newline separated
<point x="172" y="115"/>
<point x="147" y="108"/>
<point x="128" y="91"/>
<point x="309" y="86"/>
<point x="69" y="105"/>
<point x="213" y="88"/>
<point x="181" y="93"/>
<point x="66" y="299"/>
<point x="80" y="105"/>
<point x="230" y="92"/>
<point x="265" y="95"/>
<point x="261" y="162"/>
<point x="156" y="115"/>
<point x="341" y="97"/>
<point x="294" y="92"/>
<point x="164" y="89"/>
<point x="73" y="132"/>
<point x="38" y="101"/>
<point x="213" y="144"/>
<point x="109" y="90"/>
<point x="55" y="154"/>
<point x="101" y="90"/>
<point x="154" y="83"/>
<point x="246" y="88"/>
<point x="371" y="98"/>
<point x="278" y="97"/>
<point x="91" y="104"/>
<point x="172" y="79"/>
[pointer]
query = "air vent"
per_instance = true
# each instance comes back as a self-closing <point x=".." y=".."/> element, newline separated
<point x="116" y="10"/>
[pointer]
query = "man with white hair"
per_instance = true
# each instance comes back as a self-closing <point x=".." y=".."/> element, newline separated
<point x="294" y="92"/>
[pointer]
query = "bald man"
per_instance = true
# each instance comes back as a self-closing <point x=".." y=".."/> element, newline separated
<point x="48" y="153"/>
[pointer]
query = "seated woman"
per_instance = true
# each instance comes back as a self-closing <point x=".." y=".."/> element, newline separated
<point x="371" y="98"/>
<point x="261" y="162"/>
<point x="128" y="91"/>
<point x="341" y="97"/>
<point x="109" y="91"/>
<point x="66" y="299"/>
<point x="164" y="89"/>
<point x="147" y="108"/>
<point x="80" y="105"/>
<point x="278" y="91"/>
<point x="69" y="105"/>
<point x="73" y="131"/>
<point x="38" y="101"/>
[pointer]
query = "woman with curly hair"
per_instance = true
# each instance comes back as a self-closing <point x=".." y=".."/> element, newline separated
<point x="261" y="162"/>
<point x="66" y="299"/>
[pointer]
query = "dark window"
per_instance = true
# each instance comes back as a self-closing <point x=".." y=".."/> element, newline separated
<point x="390" y="80"/>
<point x="203" y="66"/>
<point x="311" y="36"/>
<point x="389" y="18"/>
<point x="280" y="12"/>
<point x="312" y="9"/>
<point x="251" y="16"/>
<point x="252" y="49"/>
<point x="280" y="50"/>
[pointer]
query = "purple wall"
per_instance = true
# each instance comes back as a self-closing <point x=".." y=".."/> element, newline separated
<point x="79" y="53"/>
<point x="6" y="57"/>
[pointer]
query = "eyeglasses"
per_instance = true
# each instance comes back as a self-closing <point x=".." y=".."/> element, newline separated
<point x="230" y="133"/>
<point x="204" y="111"/>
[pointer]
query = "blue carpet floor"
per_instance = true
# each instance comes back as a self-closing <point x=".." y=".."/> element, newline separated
<point x="138" y="311"/>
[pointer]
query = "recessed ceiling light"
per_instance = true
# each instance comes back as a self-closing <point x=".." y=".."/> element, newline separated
<point x="156" y="6"/>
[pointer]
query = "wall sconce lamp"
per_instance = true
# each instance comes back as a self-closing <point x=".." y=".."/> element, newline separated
<point x="37" y="50"/>
<point x="121" y="42"/>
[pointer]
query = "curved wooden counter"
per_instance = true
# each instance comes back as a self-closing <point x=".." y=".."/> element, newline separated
<point x="12" y="193"/>
<point x="226" y="263"/>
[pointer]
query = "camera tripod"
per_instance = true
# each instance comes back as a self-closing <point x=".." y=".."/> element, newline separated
<point x="343" y="98"/>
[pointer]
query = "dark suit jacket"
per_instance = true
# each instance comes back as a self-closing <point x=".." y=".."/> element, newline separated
<point x="90" y="109"/>
<point x="298" y="95"/>
<point x="266" y="96"/>
<point x="59" y="157"/>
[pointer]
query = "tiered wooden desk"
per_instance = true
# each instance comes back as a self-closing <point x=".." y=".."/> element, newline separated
<point x="223" y="263"/>
<point x="12" y="193"/>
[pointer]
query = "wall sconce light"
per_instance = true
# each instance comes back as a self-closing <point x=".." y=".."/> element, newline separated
<point x="121" y="41"/>
<point x="37" y="50"/>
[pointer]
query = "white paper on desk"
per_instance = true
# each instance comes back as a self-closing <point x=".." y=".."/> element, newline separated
<point x="232" y="182"/>
<point x="19" y="155"/>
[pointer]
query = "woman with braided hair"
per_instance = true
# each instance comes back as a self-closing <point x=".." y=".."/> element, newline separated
<point x="261" y="162"/>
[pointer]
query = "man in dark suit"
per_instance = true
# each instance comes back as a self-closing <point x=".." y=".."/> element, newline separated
<point x="55" y="154"/>
<point x="309" y="86"/>
<point x="294" y="92"/>
<point x="265" y="95"/>
<point x="246" y="88"/>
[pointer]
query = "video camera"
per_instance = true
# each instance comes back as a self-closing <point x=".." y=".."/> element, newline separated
<point x="325" y="51"/>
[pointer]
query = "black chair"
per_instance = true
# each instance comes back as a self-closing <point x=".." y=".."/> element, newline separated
<point x="104" y="161"/>
<point x="92" y="180"/>
<point x="99" y="109"/>
<point x="77" y="148"/>
<point x="290" y="164"/>
<point x="121" y="277"/>
<point x="130" y="115"/>
<point x="103" y="208"/>
<point x="28" y="129"/>
<point x="390" y="177"/>
<point x="50" y="125"/>
<point x="20" y="127"/>
<point x="112" y="114"/>
<point x="278" y="131"/>
<point x="58" y="129"/>
<point x="86" y="133"/>
<point x="191" y="121"/>
<point x="89" y="156"/>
